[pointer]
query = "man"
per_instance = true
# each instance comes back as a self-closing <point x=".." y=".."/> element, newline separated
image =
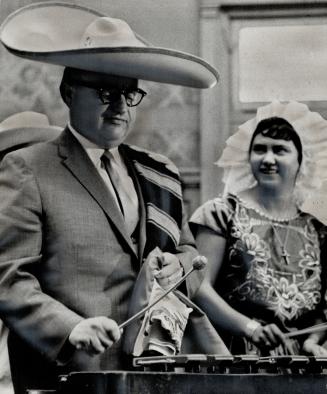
<point x="79" y="215"/>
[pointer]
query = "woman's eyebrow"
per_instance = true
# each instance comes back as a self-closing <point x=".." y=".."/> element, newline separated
<point x="259" y="145"/>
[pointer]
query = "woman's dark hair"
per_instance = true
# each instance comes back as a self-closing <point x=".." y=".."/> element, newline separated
<point x="278" y="129"/>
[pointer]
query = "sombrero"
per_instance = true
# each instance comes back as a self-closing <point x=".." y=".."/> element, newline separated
<point x="79" y="37"/>
<point x="25" y="128"/>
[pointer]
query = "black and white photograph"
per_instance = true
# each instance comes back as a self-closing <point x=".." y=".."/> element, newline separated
<point x="163" y="219"/>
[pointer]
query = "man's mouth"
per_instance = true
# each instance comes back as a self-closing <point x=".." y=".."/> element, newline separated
<point x="115" y="120"/>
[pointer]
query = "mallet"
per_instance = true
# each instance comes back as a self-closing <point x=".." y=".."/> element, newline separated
<point x="197" y="264"/>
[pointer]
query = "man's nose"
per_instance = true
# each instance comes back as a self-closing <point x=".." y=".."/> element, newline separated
<point x="119" y="104"/>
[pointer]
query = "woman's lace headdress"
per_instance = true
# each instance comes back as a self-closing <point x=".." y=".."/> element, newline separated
<point x="312" y="130"/>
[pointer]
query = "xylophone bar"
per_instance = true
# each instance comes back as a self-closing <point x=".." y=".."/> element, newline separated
<point x="210" y="374"/>
<point x="195" y="363"/>
<point x="232" y="364"/>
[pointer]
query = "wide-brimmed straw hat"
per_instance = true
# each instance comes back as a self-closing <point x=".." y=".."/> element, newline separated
<point x="74" y="36"/>
<point x="25" y="128"/>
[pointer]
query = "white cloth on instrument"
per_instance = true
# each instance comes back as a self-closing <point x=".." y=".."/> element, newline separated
<point x="199" y="337"/>
<point x="163" y="325"/>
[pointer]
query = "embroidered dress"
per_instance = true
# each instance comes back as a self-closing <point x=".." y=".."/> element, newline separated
<point x="256" y="279"/>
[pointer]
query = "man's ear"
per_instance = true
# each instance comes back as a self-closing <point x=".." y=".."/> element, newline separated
<point x="66" y="92"/>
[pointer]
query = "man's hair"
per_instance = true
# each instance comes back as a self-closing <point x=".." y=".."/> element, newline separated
<point x="278" y="129"/>
<point x="67" y="80"/>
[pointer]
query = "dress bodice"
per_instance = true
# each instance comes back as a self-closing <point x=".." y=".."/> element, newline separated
<point x="272" y="268"/>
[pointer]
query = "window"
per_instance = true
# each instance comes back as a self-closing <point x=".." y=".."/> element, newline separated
<point x="283" y="62"/>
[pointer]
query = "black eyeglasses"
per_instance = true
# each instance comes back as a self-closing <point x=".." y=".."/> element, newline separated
<point x="133" y="97"/>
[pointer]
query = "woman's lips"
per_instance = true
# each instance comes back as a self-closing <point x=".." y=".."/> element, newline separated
<point x="268" y="171"/>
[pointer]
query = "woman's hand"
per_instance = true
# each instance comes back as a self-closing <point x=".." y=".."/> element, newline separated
<point x="268" y="336"/>
<point x="312" y="348"/>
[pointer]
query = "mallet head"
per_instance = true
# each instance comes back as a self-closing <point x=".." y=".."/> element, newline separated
<point x="199" y="262"/>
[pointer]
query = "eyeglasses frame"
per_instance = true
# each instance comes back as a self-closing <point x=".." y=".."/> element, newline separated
<point x="123" y="92"/>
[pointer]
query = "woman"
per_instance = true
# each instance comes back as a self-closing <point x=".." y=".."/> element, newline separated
<point x="267" y="260"/>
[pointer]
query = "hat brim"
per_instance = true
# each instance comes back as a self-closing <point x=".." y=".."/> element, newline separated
<point x="16" y="138"/>
<point x="147" y="63"/>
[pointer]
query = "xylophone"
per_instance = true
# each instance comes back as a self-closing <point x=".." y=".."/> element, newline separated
<point x="209" y="374"/>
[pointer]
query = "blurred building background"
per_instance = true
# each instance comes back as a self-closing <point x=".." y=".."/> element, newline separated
<point x="262" y="49"/>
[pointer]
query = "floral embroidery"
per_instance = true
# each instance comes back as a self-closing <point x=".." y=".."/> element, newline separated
<point x="255" y="246"/>
<point x="289" y="291"/>
<point x="285" y="298"/>
<point x="309" y="256"/>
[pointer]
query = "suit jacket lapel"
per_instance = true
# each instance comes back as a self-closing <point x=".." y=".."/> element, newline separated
<point x="80" y="165"/>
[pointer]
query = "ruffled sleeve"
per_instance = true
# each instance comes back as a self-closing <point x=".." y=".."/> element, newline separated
<point x="214" y="214"/>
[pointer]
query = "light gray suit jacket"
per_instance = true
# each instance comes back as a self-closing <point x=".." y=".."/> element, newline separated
<point x="64" y="255"/>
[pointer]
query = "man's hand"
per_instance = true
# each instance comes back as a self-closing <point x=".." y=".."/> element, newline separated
<point x="168" y="269"/>
<point x="313" y="348"/>
<point x="95" y="335"/>
<point x="268" y="336"/>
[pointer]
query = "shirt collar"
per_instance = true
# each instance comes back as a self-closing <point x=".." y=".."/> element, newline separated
<point x="93" y="150"/>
